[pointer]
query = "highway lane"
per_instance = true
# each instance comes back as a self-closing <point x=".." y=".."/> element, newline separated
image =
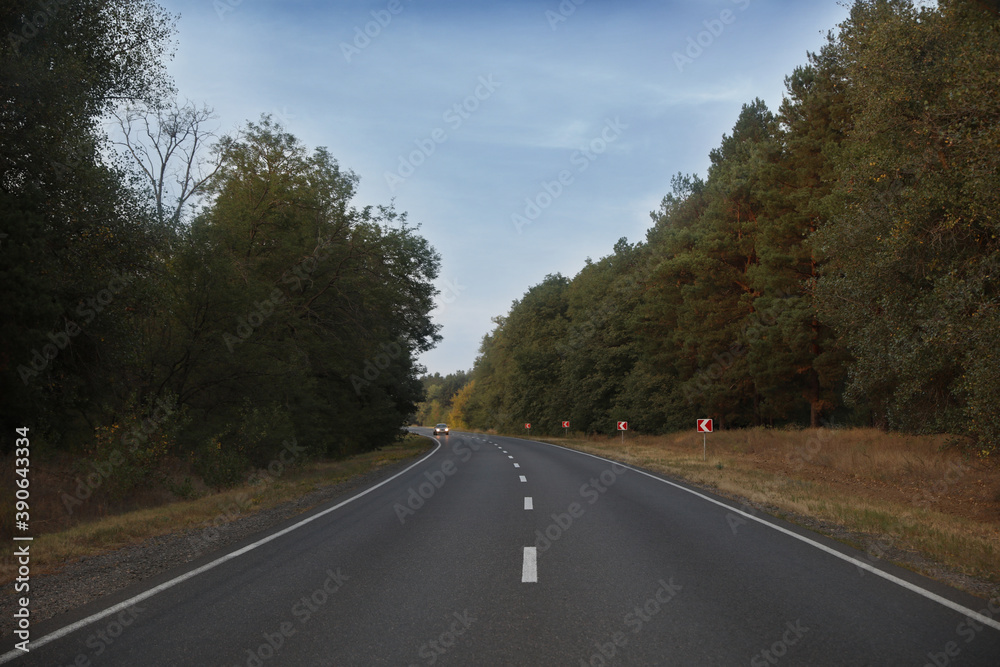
<point x="430" y="568"/>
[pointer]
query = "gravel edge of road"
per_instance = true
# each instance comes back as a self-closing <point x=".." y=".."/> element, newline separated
<point x="92" y="577"/>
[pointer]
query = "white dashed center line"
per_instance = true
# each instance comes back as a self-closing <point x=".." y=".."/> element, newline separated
<point x="523" y="478"/>
<point x="528" y="504"/>
<point x="529" y="570"/>
<point x="517" y="465"/>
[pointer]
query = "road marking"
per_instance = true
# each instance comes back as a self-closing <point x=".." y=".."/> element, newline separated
<point x="517" y="465"/>
<point x="121" y="606"/>
<point x="510" y="457"/>
<point x="504" y="451"/>
<point x="523" y="478"/>
<point x="528" y="504"/>
<point x="943" y="601"/>
<point x="529" y="568"/>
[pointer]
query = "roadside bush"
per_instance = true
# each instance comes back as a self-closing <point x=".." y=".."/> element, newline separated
<point x="221" y="466"/>
<point x="127" y="453"/>
<point x="227" y="457"/>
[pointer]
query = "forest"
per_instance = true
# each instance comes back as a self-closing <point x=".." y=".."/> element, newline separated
<point x="173" y="294"/>
<point x="838" y="265"/>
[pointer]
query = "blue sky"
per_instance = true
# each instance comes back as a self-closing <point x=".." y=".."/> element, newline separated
<point x="523" y="137"/>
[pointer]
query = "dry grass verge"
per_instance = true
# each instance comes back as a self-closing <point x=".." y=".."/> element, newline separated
<point x="896" y="494"/>
<point x="114" y="532"/>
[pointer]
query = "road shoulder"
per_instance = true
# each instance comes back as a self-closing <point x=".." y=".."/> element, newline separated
<point x="107" y="575"/>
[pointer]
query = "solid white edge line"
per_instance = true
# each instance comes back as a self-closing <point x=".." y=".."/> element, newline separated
<point x="954" y="606"/>
<point x="528" y="503"/>
<point x="529" y="567"/>
<point x="83" y="622"/>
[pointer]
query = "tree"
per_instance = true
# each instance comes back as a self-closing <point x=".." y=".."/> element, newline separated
<point x="520" y="364"/>
<point x="166" y="142"/>
<point x="793" y="353"/>
<point x="911" y="282"/>
<point x="289" y="297"/>
<point x="78" y="238"/>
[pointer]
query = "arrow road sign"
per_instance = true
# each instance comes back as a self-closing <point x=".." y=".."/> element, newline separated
<point x="565" y="424"/>
<point x="622" y="426"/>
<point x="704" y="426"/>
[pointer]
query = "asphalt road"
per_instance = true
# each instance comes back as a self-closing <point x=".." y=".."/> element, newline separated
<point x="445" y="564"/>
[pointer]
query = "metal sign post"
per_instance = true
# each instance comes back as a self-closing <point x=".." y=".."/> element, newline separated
<point x="704" y="426"/>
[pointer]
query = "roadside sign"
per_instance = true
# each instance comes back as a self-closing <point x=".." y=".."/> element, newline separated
<point x="565" y="424"/>
<point x="527" y="426"/>
<point x="704" y="426"/>
<point x="622" y="426"/>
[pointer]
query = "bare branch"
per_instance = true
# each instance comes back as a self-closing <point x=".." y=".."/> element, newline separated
<point x="170" y="146"/>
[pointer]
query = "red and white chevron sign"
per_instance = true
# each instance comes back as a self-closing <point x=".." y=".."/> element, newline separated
<point x="704" y="426"/>
<point x="622" y="426"/>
